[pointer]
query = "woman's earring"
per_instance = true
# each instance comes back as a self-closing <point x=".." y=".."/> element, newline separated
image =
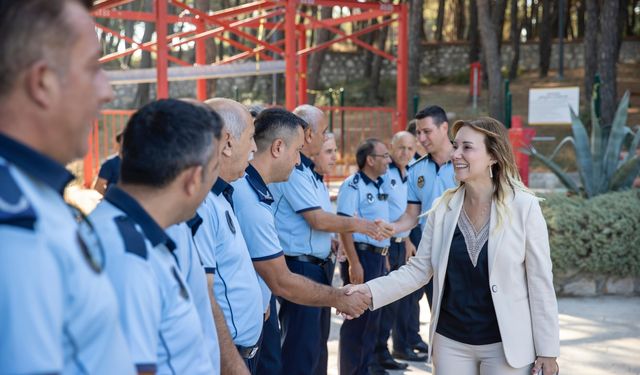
<point x="491" y="171"/>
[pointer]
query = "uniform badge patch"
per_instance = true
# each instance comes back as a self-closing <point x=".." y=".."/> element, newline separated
<point x="393" y="182"/>
<point x="232" y="227"/>
<point x="420" y="182"/>
<point x="369" y="197"/>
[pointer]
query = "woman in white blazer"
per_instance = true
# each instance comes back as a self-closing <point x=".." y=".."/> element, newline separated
<point x="485" y="244"/>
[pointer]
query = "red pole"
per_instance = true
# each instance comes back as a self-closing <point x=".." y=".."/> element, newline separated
<point x="402" y="64"/>
<point x="302" y="67"/>
<point x="162" y="61"/>
<point x="201" y="59"/>
<point x="290" y="54"/>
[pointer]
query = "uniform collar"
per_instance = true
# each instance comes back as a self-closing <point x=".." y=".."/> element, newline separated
<point x="367" y="180"/>
<point x="194" y="223"/>
<point x="305" y="162"/>
<point x="35" y="164"/>
<point x="222" y="187"/>
<point x="394" y="165"/>
<point x="134" y="210"/>
<point x="257" y="184"/>
<point x="318" y="176"/>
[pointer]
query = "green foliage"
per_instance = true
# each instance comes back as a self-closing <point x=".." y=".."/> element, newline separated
<point x="595" y="236"/>
<point x="599" y="157"/>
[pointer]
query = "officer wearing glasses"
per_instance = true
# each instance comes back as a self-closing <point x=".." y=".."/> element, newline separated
<point x="169" y="162"/>
<point x="362" y="195"/>
<point x="58" y="311"/>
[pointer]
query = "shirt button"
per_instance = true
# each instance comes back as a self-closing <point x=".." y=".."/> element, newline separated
<point x="494" y="288"/>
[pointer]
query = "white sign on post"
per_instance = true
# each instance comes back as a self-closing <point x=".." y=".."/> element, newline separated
<point x="551" y="106"/>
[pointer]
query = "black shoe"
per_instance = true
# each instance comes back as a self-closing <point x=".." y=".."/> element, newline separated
<point x="391" y="364"/>
<point x="421" y="347"/>
<point x="376" y="369"/>
<point x="409" y="355"/>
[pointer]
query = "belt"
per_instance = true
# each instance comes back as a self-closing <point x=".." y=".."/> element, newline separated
<point x="247" y="352"/>
<point x="307" y="259"/>
<point x="398" y="239"/>
<point x="374" y="249"/>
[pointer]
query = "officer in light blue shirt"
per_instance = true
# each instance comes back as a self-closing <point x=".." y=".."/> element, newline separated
<point x="362" y="194"/>
<point x="221" y="242"/>
<point x="429" y="177"/>
<point x="279" y="137"/>
<point x="191" y="266"/>
<point x="169" y="162"/>
<point x="305" y="222"/>
<point x="403" y="145"/>
<point x="58" y="311"/>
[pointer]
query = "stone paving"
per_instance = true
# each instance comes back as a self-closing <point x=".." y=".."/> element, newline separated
<point x="598" y="336"/>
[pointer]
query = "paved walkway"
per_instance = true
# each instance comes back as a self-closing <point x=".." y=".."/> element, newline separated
<point x="598" y="336"/>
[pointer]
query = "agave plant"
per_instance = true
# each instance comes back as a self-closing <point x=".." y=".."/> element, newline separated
<point x="599" y="159"/>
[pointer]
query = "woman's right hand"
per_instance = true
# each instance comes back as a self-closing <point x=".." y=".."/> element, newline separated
<point x="356" y="273"/>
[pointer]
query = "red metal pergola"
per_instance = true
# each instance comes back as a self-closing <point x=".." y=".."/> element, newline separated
<point x="286" y="16"/>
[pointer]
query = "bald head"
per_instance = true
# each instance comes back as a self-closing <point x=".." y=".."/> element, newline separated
<point x="403" y="147"/>
<point x="234" y="115"/>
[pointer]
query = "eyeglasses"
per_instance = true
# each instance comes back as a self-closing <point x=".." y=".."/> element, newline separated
<point x="88" y="240"/>
<point x="386" y="156"/>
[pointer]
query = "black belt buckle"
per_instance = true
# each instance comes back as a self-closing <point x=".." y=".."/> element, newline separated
<point x="384" y="251"/>
<point x="397" y="239"/>
<point x="247" y="352"/>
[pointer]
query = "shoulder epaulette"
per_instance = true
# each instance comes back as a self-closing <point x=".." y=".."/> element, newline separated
<point x="133" y="240"/>
<point x="354" y="182"/>
<point x="15" y="209"/>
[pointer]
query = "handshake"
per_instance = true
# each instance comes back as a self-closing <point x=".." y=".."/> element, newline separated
<point x="378" y="229"/>
<point x="353" y="301"/>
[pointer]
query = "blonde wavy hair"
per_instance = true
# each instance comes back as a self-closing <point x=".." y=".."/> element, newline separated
<point x="506" y="178"/>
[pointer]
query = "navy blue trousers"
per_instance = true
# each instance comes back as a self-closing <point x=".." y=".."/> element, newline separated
<point x="305" y="329"/>
<point x="270" y="357"/>
<point x="358" y="336"/>
<point x="392" y="318"/>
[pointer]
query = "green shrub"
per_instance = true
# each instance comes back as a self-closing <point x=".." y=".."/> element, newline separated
<point x="600" y="235"/>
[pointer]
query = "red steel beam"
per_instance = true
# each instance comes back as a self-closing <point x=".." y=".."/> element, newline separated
<point x="241" y="9"/>
<point x="352" y="18"/>
<point x="402" y="62"/>
<point x="162" y="62"/>
<point x="244" y="55"/>
<point x="201" y="59"/>
<point x="228" y="26"/>
<point x="148" y="48"/>
<point x="302" y="67"/>
<point x="350" y="36"/>
<point x="136" y="16"/>
<point x="117" y="55"/>
<point x="290" y="54"/>
<point x="322" y="24"/>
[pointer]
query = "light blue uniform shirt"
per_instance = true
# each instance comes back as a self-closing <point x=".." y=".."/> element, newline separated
<point x="304" y="191"/>
<point x="159" y="318"/>
<point x="252" y="201"/>
<point x="58" y="310"/>
<point x="395" y="185"/>
<point x="359" y="195"/>
<point x="190" y="264"/>
<point x="427" y="181"/>
<point x="225" y="255"/>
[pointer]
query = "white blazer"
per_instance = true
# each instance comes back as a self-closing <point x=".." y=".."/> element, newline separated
<point x="520" y="275"/>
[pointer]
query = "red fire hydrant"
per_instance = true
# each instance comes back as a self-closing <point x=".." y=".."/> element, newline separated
<point x="521" y="138"/>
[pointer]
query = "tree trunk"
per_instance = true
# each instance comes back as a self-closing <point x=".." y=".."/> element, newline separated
<point x="545" y="38"/>
<point x="440" y="21"/>
<point x="376" y="65"/>
<point x="474" y="32"/>
<point x="459" y="21"/>
<point x="581" y="15"/>
<point x="316" y="59"/>
<point x="623" y="15"/>
<point x="143" y="94"/>
<point x="488" y="36"/>
<point x="590" y="47"/>
<point x="498" y="11"/>
<point x="608" y="59"/>
<point x="515" y="40"/>
<point x="415" y="52"/>
<point x="370" y="39"/>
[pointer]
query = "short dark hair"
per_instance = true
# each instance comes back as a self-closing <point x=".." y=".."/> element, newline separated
<point x="437" y="114"/>
<point x="255" y="110"/>
<point x="365" y="149"/>
<point x="274" y="123"/>
<point x="165" y="137"/>
<point x="29" y="29"/>
<point x="411" y="126"/>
